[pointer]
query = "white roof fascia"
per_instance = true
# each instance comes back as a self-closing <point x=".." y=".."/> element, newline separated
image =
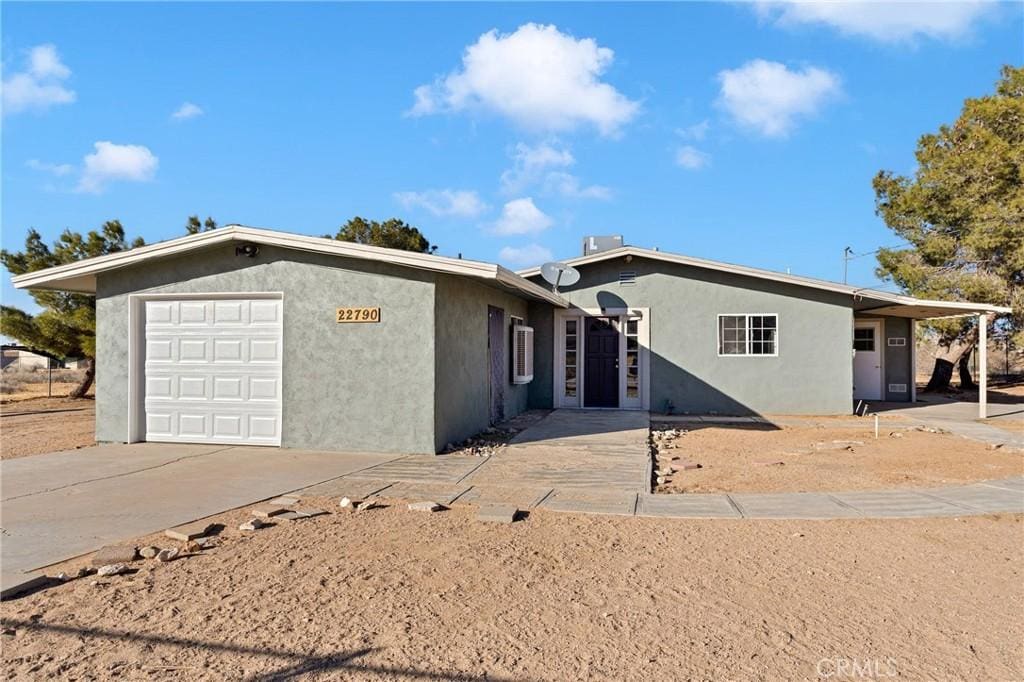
<point x="859" y="292"/>
<point x="82" y="272"/>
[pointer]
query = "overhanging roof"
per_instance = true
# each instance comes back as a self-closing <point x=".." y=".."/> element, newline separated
<point x="80" y="276"/>
<point x="888" y="303"/>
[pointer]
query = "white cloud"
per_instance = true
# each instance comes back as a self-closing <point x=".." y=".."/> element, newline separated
<point x="885" y="21"/>
<point x="568" y="185"/>
<point x="769" y="98"/>
<point x="544" y="165"/>
<point x="538" y="77"/>
<point x="186" y="111"/>
<point x="40" y="86"/>
<point x="57" y="169"/>
<point x="531" y="254"/>
<point x="692" y="158"/>
<point x="459" y="203"/>
<point x="111" y="162"/>
<point x="698" y="131"/>
<point x="521" y="216"/>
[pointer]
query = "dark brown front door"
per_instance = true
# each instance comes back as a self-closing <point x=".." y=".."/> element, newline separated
<point x="496" y="359"/>
<point x="601" y="363"/>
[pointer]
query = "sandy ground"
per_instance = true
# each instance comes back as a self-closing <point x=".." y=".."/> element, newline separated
<point x="39" y="425"/>
<point x="393" y="594"/>
<point x="737" y="458"/>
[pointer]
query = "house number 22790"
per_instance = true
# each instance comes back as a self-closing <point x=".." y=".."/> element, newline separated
<point x="358" y="315"/>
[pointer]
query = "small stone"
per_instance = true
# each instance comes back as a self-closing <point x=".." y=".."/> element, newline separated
<point x="265" y="511"/>
<point x="63" y="577"/>
<point x="769" y="463"/>
<point x="84" y="571"/>
<point x="995" y="446"/>
<point x="285" y="500"/>
<point x="347" y="503"/>
<point x="149" y="552"/>
<point x="688" y="466"/>
<point x="370" y="503"/>
<point x="166" y="555"/>
<point x="112" y="569"/>
<point x="298" y="515"/>
<point x="895" y="434"/>
<point x="426" y="506"/>
<point x="114" y="554"/>
<point x="189" y="531"/>
<point x="9" y="632"/>
<point x="660" y="480"/>
<point x="797" y="535"/>
<point x="497" y="513"/>
<point x="252" y="524"/>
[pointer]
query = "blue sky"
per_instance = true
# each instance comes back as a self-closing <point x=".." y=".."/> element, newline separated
<point x="746" y="133"/>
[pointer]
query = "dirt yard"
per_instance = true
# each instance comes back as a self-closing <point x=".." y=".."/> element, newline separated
<point x="393" y="594"/>
<point x="828" y="456"/>
<point x="39" y="425"/>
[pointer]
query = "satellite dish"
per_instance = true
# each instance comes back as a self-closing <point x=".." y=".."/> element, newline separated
<point x="556" y="274"/>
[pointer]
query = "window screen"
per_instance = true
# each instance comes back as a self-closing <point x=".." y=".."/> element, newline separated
<point x="748" y="334"/>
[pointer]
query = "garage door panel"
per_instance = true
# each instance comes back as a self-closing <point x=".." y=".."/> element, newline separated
<point x="229" y="312"/>
<point x="264" y="350"/>
<point x="193" y="312"/>
<point x="194" y="350"/>
<point x="159" y="350"/>
<point x="213" y="371"/>
<point x="265" y="312"/>
<point x="228" y="350"/>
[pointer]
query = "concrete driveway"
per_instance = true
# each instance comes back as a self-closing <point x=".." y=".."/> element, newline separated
<point x="1004" y="426"/>
<point x="64" y="504"/>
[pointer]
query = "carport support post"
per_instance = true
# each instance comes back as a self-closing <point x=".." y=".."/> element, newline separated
<point x="982" y="365"/>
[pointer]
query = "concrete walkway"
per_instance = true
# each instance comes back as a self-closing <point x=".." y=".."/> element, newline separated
<point x="1004" y="426"/>
<point x="64" y="504"/>
<point x="597" y="462"/>
<point x="569" y="457"/>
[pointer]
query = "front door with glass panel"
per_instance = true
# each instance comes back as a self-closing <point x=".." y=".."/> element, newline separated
<point x="601" y="363"/>
<point x="867" y="360"/>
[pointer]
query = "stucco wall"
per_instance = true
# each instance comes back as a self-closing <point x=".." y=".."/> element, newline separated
<point x="345" y="386"/>
<point x="897" y="358"/>
<point x="462" y="368"/>
<point x="813" y="373"/>
<point x="542" y="319"/>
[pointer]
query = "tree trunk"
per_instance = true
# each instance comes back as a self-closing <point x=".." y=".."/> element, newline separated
<point x="966" y="380"/>
<point x="90" y="374"/>
<point x="942" y="373"/>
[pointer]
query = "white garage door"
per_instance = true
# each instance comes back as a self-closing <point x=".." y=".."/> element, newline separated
<point x="213" y="371"/>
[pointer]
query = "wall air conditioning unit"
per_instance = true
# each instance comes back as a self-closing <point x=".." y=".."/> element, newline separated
<point x="522" y="354"/>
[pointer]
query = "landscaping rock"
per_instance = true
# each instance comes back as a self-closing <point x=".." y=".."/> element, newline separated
<point x="252" y="524"/>
<point x="427" y="506"/>
<point x="149" y="552"/>
<point x="348" y="504"/>
<point x="497" y="513"/>
<point x="115" y="554"/>
<point x="265" y="511"/>
<point x="285" y="500"/>
<point x="112" y="569"/>
<point x="298" y="515"/>
<point x="367" y="504"/>
<point x="189" y="531"/>
<point x="165" y="555"/>
<point x="660" y="480"/>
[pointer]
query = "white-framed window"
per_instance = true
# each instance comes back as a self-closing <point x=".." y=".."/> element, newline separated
<point x="748" y="334"/>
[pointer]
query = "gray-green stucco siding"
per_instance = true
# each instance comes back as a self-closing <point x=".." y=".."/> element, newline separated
<point x="345" y="386"/>
<point x="812" y="374"/>
<point x="462" y="365"/>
